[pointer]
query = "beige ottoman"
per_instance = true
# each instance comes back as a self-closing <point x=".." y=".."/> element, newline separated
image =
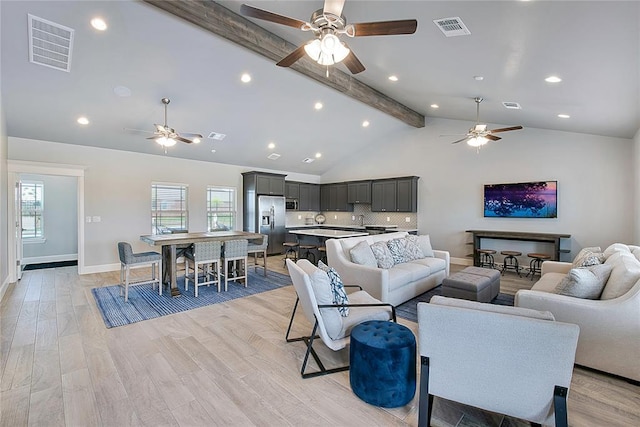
<point x="473" y="283"/>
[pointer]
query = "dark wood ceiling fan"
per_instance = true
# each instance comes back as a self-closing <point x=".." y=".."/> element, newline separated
<point x="327" y="24"/>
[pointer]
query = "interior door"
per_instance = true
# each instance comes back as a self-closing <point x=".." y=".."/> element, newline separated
<point x="18" y="228"/>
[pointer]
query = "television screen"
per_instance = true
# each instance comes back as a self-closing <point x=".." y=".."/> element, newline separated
<point x="521" y="200"/>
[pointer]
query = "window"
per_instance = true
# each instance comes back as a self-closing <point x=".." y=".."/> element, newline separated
<point x="221" y="208"/>
<point x="169" y="212"/>
<point x="32" y="207"/>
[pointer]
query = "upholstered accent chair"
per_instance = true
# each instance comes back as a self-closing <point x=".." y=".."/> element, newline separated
<point x="203" y="256"/>
<point x="129" y="259"/>
<point x="509" y="360"/>
<point x="314" y="295"/>
<point x="258" y="250"/>
<point x="235" y="257"/>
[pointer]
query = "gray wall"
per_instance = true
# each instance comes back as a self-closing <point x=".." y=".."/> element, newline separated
<point x="595" y="182"/>
<point x="636" y="181"/>
<point x="60" y="220"/>
<point x="4" y="200"/>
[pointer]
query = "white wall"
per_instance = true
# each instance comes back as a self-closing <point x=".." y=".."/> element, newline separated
<point x="117" y="187"/>
<point x="4" y="196"/>
<point x="60" y="221"/>
<point x="636" y="180"/>
<point x="595" y="181"/>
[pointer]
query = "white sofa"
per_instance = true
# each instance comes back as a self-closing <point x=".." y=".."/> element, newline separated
<point x="395" y="285"/>
<point x="609" y="328"/>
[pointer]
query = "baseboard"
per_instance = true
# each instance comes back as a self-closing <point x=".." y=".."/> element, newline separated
<point x="104" y="268"/>
<point x="49" y="258"/>
<point x="461" y="261"/>
<point x="4" y="287"/>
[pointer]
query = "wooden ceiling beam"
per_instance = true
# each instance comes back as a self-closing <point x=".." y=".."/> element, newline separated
<point x="223" y="22"/>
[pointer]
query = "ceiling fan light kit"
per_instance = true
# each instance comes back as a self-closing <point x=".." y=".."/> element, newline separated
<point x="167" y="136"/>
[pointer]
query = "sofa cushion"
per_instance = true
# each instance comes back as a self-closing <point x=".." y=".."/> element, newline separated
<point x="382" y="254"/>
<point x="616" y="247"/>
<point x="398" y="248"/>
<point x="424" y="243"/>
<point x="417" y="271"/>
<point x="398" y="277"/>
<point x="337" y="288"/>
<point x="434" y="264"/>
<point x="548" y="282"/>
<point x="362" y="254"/>
<point x="585" y="282"/>
<point x="588" y="257"/>
<point x="625" y="274"/>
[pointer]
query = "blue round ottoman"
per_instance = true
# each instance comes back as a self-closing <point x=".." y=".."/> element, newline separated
<point x="383" y="363"/>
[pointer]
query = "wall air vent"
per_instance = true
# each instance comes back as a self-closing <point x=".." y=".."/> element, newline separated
<point x="512" y="105"/>
<point x="50" y="44"/>
<point x="273" y="156"/>
<point x="307" y="160"/>
<point x="217" y="136"/>
<point x="451" y="27"/>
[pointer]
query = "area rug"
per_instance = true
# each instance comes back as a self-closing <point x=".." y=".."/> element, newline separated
<point x="409" y="310"/>
<point x="145" y="303"/>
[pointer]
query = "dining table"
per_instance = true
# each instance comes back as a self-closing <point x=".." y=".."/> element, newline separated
<point x="172" y="243"/>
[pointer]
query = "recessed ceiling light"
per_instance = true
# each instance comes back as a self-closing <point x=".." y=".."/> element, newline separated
<point x="318" y="106"/>
<point x="478" y="78"/>
<point x="553" y="79"/>
<point x="271" y="145"/>
<point x="318" y="155"/>
<point x="83" y="120"/>
<point x="122" y="91"/>
<point x="435" y="106"/>
<point x="564" y="116"/>
<point x="99" y="24"/>
<point x="213" y="151"/>
<point x="246" y="78"/>
<point x="393" y="78"/>
<point x="365" y="123"/>
<point x="196" y="140"/>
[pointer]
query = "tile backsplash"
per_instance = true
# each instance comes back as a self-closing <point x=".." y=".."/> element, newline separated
<point x="353" y="218"/>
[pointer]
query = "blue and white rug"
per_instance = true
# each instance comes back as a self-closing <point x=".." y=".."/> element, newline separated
<point x="145" y="303"/>
<point x="409" y="310"/>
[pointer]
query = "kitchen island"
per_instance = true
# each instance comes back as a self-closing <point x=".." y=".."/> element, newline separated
<point x="328" y="233"/>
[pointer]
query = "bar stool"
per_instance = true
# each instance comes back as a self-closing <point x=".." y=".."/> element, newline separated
<point x="307" y="253"/>
<point x="322" y="251"/>
<point x="535" y="266"/>
<point x="290" y="248"/>
<point x="510" y="261"/>
<point x="486" y="257"/>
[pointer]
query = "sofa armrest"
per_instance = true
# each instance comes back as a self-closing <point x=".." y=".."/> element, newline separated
<point x="445" y="256"/>
<point x="555" y="267"/>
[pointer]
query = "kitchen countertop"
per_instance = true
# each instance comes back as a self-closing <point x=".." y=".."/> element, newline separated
<point x="340" y="227"/>
<point x="329" y="233"/>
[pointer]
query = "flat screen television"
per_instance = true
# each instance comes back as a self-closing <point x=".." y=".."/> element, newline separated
<point x="521" y="200"/>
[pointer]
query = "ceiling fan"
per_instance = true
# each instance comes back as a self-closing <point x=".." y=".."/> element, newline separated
<point x="327" y="24"/>
<point x="167" y="136"/>
<point x="479" y="135"/>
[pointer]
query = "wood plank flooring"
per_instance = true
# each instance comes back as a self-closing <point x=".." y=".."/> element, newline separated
<point x="226" y="364"/>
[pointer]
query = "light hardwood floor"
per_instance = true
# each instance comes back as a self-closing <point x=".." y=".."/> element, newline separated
<point x="226" y="364"/>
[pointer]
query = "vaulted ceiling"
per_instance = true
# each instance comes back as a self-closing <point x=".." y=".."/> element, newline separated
<point x="117" y="77"/>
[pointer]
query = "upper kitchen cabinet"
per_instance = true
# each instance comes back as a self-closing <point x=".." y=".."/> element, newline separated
<point x="359" y="192"/>
<point x="264" y="183"/>
<point x="292" y="189"/>
<point x="309" y="197"/>
<point x="395" y="195"/>
<point x="333" y="197"/>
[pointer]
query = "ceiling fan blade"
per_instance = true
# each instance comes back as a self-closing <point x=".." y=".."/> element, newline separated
<point x="137" y="130"/>
<point x="460" y="140"/>
<point x="506" y="129"/>
<point x="179" y="138"/>
<point x="290" y="59"/>
<point x="385" y="28"/>
<point x="265" y="15"/>
<point x="191" y="135"/>
<point x="492" y="137"/>
<point x="353" y="63"/>
<point x="334" y="6"/>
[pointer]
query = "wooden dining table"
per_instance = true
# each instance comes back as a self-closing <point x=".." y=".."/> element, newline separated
<point x="171" y="243"/>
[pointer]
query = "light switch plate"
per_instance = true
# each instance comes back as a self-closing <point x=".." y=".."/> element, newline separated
<point x="407" y="219"/>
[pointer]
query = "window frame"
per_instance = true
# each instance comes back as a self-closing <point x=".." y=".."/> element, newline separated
<point x="231" y="213"/>
<point x="157" y="221"/>
<point x="38" y="212"/>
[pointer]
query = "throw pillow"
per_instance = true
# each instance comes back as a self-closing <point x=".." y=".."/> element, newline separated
<point x="337" y="288"/>
<point x="362" y="254"/>
<point x="382" y="254"/>
<point x="424" y="243"/>
<point x="413" y="250"/>
<point x="398" y="248"/>
<point x="322" y="290"/>
<point x="585" y="282"/>
<point x="588" y="257"/>
<point x="625" y="274"/>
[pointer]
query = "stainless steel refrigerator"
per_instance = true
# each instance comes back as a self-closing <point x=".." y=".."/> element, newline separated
<point x="270" y="217"/>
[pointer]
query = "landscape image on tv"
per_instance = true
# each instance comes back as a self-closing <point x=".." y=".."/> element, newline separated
<point x="521" y="200"/>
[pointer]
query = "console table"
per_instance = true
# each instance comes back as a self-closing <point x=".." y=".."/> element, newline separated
<point x="517" y="235"/>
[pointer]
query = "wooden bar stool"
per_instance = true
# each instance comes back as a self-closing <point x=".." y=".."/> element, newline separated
<point x="535" y="265"/>
<point x="322" y="251"/>
<point x="307" y="253"/>
<point x="290" y="248"/>
<point x="486" y="257"/>
<point x="510" y="261"/>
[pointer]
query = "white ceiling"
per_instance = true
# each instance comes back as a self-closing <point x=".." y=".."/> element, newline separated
<point x="593" y="46"/>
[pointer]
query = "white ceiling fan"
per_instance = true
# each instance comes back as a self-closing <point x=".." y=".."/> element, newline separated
<point x="479" y="135"/>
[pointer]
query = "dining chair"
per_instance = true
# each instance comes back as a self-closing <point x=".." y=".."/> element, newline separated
<point x="257" y="250"/>
<point x="129" y="259"/>
<point x="235" y="257"/>
<point x="203" y="256"/>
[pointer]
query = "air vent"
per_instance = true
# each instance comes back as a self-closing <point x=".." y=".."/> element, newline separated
<point x="50" y="44"/>
<point x="217" y="136"/>
<point x="511" y="105"/>
<point x="308" y="160"/>
<point x="273" y="156"/>
<point x="451" y="27"/>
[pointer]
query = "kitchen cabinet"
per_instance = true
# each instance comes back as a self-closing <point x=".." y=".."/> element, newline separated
<point x="292" y="189"/>
<point x="334" y="197"/>
<point x="359" y="192"/>
<point x="395" y="195"/>
<point x="271" y="184"/>
<point x="309" y="197"/>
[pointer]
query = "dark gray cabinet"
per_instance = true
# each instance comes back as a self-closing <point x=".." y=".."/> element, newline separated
<point x="359" y="192"/>
<point x="264" y="183"/>
<point x="334" y="197"/>
<point x="309" y="197"/>
<point x="292" y="190"/>
<point x="395" y="195"/>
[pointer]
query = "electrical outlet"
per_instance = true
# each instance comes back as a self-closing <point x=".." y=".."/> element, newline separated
<point x="299" y="216"/>
<point x="88" y="219"/>
<point x="388" y="219"/>
<point x="335" y="217"/>
<point x="353" y="217"/>
<point x="407" y="219"/>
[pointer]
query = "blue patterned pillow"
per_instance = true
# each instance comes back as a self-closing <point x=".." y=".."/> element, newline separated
<point x="382" y="254"/>
<point x="398" y="248"/>
<point x="337" y="288"/>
